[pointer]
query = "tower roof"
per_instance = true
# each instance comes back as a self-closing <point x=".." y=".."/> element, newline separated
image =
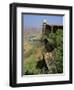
<point x="44" y="21"/>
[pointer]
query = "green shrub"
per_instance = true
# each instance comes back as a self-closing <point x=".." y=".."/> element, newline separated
<point x="54" y="39"/>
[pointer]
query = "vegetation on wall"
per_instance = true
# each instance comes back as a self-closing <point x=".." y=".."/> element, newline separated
<point x="52" y="45"/>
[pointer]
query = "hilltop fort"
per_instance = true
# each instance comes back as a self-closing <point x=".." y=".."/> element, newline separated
<point x="47" y="28"/>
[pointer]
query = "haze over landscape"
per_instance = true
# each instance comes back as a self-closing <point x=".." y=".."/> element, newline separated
<point x="34" y="50"/>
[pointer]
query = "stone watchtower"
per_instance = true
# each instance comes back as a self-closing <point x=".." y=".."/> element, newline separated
<point x="46" y="29"/>
<point x="44" y="26"/>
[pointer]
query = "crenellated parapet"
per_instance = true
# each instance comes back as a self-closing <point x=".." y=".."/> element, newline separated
<point x="46" y="28"/>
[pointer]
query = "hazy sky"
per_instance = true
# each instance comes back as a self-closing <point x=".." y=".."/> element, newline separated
<point x="37" y="20"/>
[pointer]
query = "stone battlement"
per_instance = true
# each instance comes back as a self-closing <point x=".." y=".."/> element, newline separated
<point x="46" y="28"/>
